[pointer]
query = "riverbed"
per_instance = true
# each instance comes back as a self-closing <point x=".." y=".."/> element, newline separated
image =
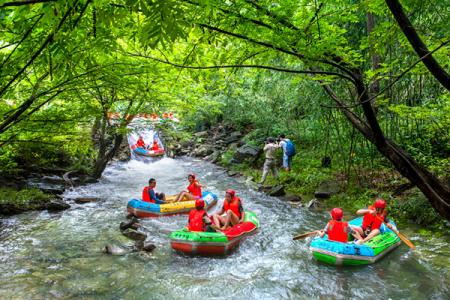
<point x="59" y="255"/>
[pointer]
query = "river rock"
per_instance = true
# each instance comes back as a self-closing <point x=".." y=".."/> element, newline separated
<point x="134" y="234"/>
<point x="57" y="205"/>
<point x="326" y="189"/>
<point x="232" y="173"/>
<point x="276" y="191"/>
<point x="246" y="152"/>
<point x="214" y="157"/>
<point x="232" y="137"/>
<point x="144" y="246"/>
<point x="115" y="250"/>
<point x="83" y="200"/>
<point x="201" y="134"/>
<point x="54" y="190"/>
<point x="131" y="223"/>
<point x="203" y="151"/>
<point x="291" y="198"/>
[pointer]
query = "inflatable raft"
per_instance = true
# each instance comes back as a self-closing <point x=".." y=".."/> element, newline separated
<point x="214" y="243"/>
<point x="143" y="209"/>
<point x="347" y="254"/>
<point x="146" y="152"/>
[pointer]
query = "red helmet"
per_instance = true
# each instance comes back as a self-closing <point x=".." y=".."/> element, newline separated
<point x="380" y="203"/>
<point x="231" y="192"/>
<point x="199" y="203"/>
<point x="337" y="213"/>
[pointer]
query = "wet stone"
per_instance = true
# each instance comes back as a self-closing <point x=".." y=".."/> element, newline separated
<point x="134" y="234"/>
<point x="83" y="200"/>
<point x="57" y="205"/>
<point x="115" y="250"/>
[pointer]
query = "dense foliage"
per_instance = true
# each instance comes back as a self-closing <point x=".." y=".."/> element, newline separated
<point x="339" y="76"/>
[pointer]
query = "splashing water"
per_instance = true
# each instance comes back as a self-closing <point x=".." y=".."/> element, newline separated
<point x="60" y="255"/>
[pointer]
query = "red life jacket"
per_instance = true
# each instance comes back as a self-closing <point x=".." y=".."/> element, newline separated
<point x="194" y="189"/>
<point x="196" y="222"/>
<point x="337" y="231"/>
<point x="155" y="146"/>
<point x="371" y="222"/>
<point x="234" y="206"/>
<point x="146" y="195"/>
<point x="140" y="143"/>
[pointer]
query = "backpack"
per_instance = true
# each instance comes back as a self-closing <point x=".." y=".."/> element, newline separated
<point x="290" y="148"/>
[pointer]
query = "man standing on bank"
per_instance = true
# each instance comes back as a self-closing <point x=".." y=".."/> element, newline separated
<point x="270" y="163"/>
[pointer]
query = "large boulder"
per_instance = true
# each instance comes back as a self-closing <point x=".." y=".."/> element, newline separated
<point x="214" y="157"/>
<point x="326" y="189"/>
<point x="57" y="205"/>
<point x="246" y="152"/>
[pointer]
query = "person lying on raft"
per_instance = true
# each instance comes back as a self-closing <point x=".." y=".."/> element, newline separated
<point x="372" y="221"/>
<point x="336" y="229"/>
<point x="193" y="192"/>
<point x="199" y="220"/>
<point x="149" y="194"/>
<point x="232" y="212"/>
<point x="140" y="142"/>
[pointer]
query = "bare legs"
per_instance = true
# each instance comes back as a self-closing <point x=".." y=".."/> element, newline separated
<point x="229" y="219"/>
<point x="358" y="234"/>
<point x="186" y="195"/>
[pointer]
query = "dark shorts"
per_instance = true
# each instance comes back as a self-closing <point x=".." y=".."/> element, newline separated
<point x="209" y="229"/>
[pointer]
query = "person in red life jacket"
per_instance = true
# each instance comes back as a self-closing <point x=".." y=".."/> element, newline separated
<point x="336" y="229"/>
<point x="199" y="219"/>
<point x="149" y="194"/>
<point x="374" y="216"/>
<point x="140" y="142"/>
<point x="155" y="146"/>
<point x="165" y="115"/>
<point x="194" y="190"/>
<point x="232" y="212"/>
<point x="171" y="115"/>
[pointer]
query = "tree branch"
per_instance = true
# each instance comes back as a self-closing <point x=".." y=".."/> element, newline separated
<point x="416" y="42"/>
<point x="25" y="2"/>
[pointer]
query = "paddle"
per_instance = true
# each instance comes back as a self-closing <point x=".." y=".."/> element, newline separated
<point x="401" y="236"/>
<point x="305" y="235"/>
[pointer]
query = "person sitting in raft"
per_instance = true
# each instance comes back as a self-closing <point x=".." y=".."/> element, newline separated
<point x="336" y="229"/>
<point x="194" y="190"/>
<point x="140" y="142"/>
<point x="199" y="219"/>
<point x="149" y="194"/>
<point x="374" y="216"/>
<point x="232" y="212"/>
<point x="155" y="146"/>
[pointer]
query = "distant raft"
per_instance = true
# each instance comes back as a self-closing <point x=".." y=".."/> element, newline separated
<point x="143" y="209"/>
<point x="348" y="254"/>
<point x="146" y="152"/>
<point x="214" y="243"/>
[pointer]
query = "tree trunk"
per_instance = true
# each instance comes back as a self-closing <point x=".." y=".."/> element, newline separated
<point x="104" y="157"/>
<point x="437" y="192"/>
<point x="421" y="49"/>
<point x="374" y="87"/>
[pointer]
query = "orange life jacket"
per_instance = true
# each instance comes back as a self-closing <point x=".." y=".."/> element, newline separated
<point x="194" y="189"/>
<point x="234" y="206"/>
<point x="337" y="231"/>
<point x="371" y="222"/>
<point x="196" y="222"/>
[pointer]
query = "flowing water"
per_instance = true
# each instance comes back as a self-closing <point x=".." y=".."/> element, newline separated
<point x="50" y="256"/>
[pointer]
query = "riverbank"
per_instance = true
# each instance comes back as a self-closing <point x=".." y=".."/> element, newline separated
<point x="312" y="180"/>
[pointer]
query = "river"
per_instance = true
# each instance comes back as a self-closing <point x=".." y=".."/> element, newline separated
<point x="51" y="256"/>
